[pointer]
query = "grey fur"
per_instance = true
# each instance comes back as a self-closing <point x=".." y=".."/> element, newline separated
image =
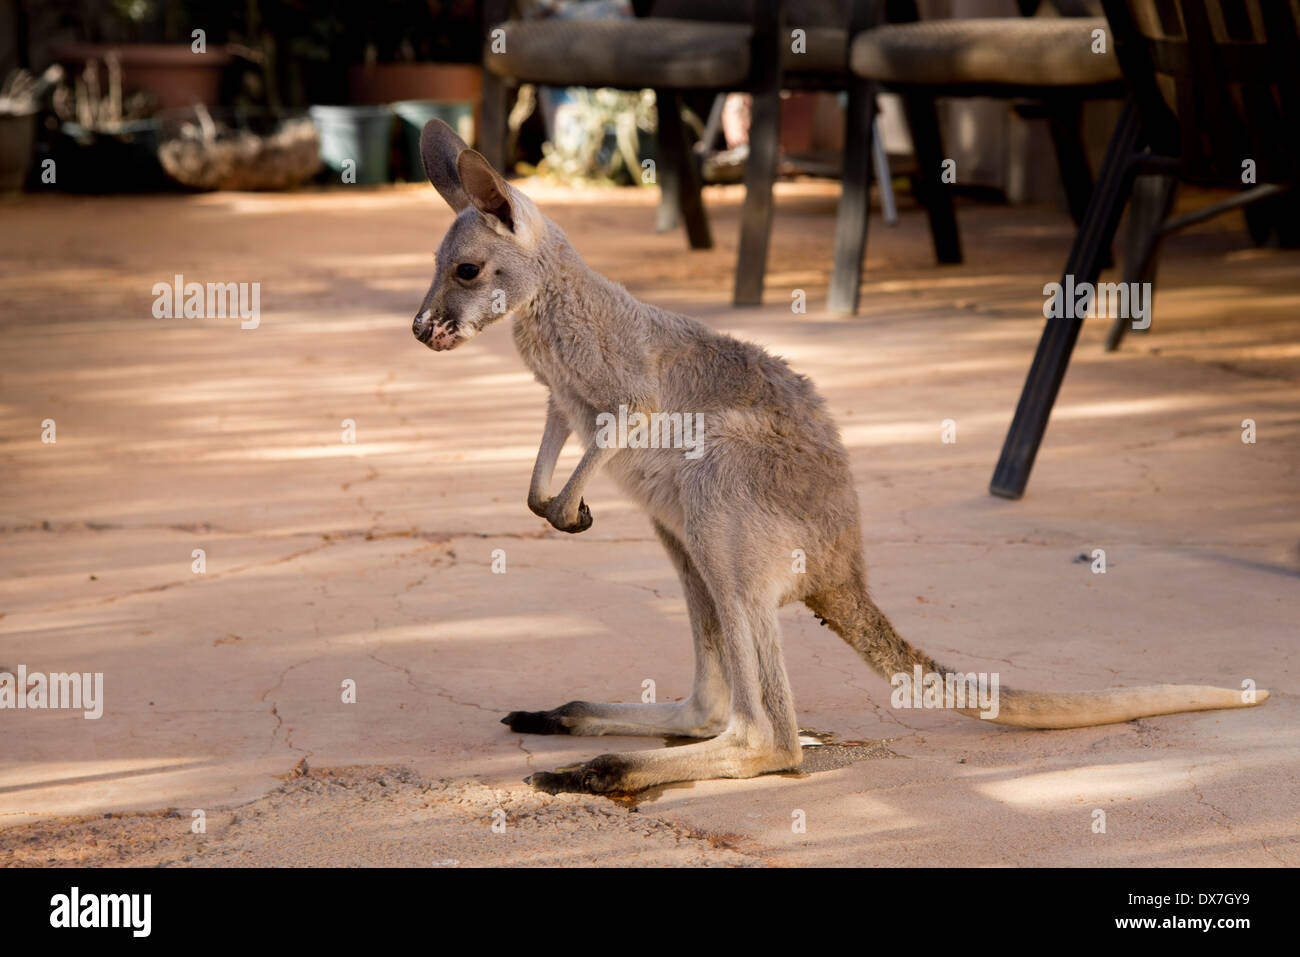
<point x="773" y="477"/>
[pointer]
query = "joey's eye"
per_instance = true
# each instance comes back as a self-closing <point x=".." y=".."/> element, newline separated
<point x="467" y="271"/>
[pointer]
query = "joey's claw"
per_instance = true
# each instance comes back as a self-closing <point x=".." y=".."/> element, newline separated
<point x="584" y="518"/>
<point x="550" y="782"/>
<point x="581" y="524"/>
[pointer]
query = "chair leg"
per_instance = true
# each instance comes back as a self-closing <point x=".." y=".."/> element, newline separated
<point x="1064" y="118"/>
<point x="1060" y="334"/>
<point x="1278" y="215"/>
<point x="669" y="214"/>
<point x="679" y="175"/>
<point x="670" y="184"/>
<point x="760" y="175"/>
<point x="923" y="123"/>
<point x="1153" y="199"/>
<point x="855" y="199"/>
<point x="492" y="133"/>
<point x="884" y="178"/>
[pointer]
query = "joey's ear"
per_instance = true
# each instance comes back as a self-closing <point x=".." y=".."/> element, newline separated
<point x="439" y="148"/>
<point x="485" y="187"/>
<point x="510" y="212"/>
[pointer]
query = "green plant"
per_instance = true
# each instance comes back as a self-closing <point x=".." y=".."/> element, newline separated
<point x="87" y="105"/>
<point x="597" y="136"/>
<point x="22" y="93"/>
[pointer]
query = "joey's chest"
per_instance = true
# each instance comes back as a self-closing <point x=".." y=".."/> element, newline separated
<point x="538" y="354"/>
<point x="562" y="375"/>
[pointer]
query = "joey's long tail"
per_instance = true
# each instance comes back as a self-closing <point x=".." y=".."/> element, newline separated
<point x="852" y="615"/>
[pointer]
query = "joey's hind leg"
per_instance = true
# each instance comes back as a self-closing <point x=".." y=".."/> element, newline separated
<point x="761" y="736"/>
<point x="702" y="715"/>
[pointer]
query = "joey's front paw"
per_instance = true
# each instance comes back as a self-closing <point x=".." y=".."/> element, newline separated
<point x="569" y="523"/>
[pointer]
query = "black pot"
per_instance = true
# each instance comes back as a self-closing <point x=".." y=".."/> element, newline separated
<point x="122" y="161"/>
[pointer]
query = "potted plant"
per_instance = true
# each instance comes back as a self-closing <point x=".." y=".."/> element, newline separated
<point x="396" y="51"/>
<point x="107" y="142"/>
<point x="297" y="49"/>
<point x="601" y="136"/>
<point x="421" y="56"/>
<point x="169" y="49"/>
<point x="413" y="50"/>
<point x="21" y="97"/>
<point x="238" y="148"/>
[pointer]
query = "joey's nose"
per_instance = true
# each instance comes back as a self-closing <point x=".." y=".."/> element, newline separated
<point x="422" y="328"/>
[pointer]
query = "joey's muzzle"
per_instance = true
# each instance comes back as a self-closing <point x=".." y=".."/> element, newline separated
<point x="438" y="334"/>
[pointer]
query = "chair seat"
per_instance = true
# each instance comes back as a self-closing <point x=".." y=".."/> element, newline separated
<point x="625" y="53"/>
<point x="1009" y="53"/>
<point x="648" y="53"/>
<point x="827" y="51"/>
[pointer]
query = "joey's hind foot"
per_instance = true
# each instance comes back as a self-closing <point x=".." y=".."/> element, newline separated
<point x="600" y="775"/>
<point x="537" y="722"/>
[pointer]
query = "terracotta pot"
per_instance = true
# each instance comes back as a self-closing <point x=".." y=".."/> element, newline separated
<point x="171" y="72"/>
<point x="391" y="82"/>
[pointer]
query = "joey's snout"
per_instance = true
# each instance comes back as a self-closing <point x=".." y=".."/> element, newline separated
<point x="422" y="328"/>
<point x="438" y="333"/>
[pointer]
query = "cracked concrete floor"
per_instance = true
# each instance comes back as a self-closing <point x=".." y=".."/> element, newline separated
<point x="371" y="562"/>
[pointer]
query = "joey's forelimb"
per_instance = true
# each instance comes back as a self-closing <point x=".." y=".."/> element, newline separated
<point x="566" y="511"/>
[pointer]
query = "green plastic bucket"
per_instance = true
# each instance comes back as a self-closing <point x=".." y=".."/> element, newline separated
<point x="413" y="114"/>
<point x="355" y="141"/>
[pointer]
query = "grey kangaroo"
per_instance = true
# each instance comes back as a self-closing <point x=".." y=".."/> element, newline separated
<point x="772" y="477"/>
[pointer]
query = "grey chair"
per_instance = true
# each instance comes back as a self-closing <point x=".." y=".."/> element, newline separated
<point x="677" y="47"/>
<point x="1046" y="64"/>
<point x="1213" y="83"/>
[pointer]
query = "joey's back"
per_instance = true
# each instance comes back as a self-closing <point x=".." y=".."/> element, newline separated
<point x="589" y="337"/>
